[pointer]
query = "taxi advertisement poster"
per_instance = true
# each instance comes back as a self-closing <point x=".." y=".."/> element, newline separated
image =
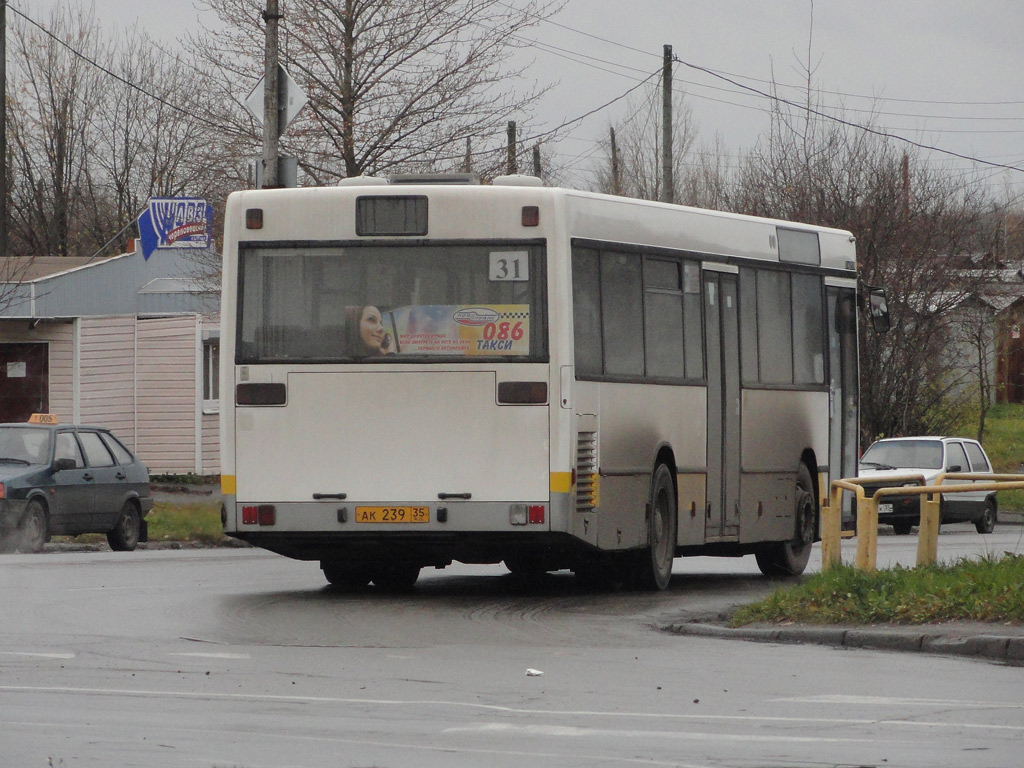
<point x="469" y="330"/>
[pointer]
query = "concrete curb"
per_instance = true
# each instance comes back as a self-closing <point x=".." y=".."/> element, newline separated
<point x="952" y="641"/>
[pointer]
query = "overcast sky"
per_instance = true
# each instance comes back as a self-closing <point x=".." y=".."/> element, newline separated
<point x="943" y="73"/>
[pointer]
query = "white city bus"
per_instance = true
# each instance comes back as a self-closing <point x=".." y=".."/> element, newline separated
<point x="420" y="372"/>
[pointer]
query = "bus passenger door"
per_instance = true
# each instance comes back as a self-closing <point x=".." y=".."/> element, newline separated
<point x="721" y="328"/>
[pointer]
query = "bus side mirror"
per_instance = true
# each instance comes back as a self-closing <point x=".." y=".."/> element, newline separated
<point x="878" y="309"/>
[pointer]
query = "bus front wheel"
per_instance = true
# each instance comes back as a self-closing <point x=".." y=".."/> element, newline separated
<point x="789" y="558"/>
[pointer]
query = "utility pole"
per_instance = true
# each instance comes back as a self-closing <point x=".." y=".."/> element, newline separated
<point x="467" y="166"/>
<point x="271" y="94"/>
<point x="667" y="184"/>
<point x="536" y="161"/>
<point x="905" y="173"/>
<point x="512" y="166"/>
<point x="616" y="181"/>
<point x="4" y="191"/>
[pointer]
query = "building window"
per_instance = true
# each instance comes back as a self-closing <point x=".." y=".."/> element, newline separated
<point x="211" y="375"/>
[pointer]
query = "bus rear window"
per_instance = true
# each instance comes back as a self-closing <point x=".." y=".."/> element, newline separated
<point x="392" y="303"/>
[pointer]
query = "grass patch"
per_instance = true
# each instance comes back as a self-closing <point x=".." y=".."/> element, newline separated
<point x="185" y="522"/>
<point x="197" y="523"/>
<point x="1004" y="444"/>
<point x="967" y="590"/>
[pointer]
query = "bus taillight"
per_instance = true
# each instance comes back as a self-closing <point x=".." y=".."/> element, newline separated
<point x="266" y="514"/>
<point x="259" y="514"/>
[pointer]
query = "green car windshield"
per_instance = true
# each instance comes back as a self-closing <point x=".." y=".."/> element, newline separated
<point x="24" y="445"/>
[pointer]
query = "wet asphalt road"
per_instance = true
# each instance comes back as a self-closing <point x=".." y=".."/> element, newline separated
<point x="241" y="658"/>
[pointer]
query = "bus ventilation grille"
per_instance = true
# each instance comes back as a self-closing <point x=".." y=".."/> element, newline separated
<point x="586" y="471"/>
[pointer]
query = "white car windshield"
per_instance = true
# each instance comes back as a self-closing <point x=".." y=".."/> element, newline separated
<point x="898" y="454"/>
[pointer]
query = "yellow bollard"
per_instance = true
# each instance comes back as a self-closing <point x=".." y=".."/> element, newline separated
<point x="928" y="531"/>
<point x="867" y="533"/>
<point x="831" y="531"/>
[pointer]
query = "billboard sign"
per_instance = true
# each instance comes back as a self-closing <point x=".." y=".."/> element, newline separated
<point x="175" y="222"/>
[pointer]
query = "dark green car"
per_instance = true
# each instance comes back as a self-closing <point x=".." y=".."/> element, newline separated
<point x="60" y="479"/>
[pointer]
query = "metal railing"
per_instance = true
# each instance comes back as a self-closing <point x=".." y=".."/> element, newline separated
<point x="867" y="512"/>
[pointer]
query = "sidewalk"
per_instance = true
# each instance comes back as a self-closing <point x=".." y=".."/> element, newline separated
<point x="185" y="494"/>
<point x="991" y="642"/>
<point x="1010" y="517"/>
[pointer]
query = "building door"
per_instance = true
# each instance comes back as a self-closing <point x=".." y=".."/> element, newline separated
<point x="24" y="381"/>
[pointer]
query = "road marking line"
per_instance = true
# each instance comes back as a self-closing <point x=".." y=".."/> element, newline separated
<point x="214" y="655"/>
<point x="38" y="655"/>
<point x="568" y="731"/>
<point x="875" y="701"/>
<point x="446" y="749"/>
<point x="258" y="697"/>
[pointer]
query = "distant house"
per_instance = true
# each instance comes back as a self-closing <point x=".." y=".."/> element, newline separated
<point x="125" y="342"/>
<point x="986" y="325"/>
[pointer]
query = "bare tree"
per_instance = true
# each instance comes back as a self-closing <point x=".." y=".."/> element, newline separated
<point x="635" y="170"/>
<point x="912" y="224"/>
<point x="98" y="127"/>
<point x="393" y="85"/>
<point x="708" y="183"/>
<point x="52" y="97"/>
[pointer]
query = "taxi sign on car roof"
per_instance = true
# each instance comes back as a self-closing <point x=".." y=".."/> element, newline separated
<point x="42" y="418"/>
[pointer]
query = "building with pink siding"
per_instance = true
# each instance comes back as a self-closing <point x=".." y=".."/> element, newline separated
<point x="124" y="342"/>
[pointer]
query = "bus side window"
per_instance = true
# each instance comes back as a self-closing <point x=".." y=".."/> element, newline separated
<point x="782" y="327"/>
<point x="622" y="322"/>
<point x="586" y="306"/>
<point x="663" y="319"/>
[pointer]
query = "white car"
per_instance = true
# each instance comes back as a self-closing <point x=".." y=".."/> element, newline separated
<point x="928" y="456"/>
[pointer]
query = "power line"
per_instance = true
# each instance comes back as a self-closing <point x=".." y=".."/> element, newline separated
<point x="841" y="121"/>
<point x="114" y="75"/>
<point x="548" y="21"/>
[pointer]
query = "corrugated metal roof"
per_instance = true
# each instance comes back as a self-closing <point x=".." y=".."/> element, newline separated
<point x="22" y="269"/>
<point x="77" y="287"/>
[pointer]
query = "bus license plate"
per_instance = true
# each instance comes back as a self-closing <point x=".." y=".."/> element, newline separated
<point x="392" y="514"/>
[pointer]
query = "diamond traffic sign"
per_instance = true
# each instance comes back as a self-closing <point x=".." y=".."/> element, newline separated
<point x="290" y="99"/>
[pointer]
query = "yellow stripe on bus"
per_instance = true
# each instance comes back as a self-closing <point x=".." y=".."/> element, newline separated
<point x="227" y="485"/>
<point x="561" y="482"/>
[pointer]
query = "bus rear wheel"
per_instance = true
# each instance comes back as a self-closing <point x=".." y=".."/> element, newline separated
<point x="655" y="567"/>
<point x="789" y="558"/>
<point x="395" y="577"/>
<point x="344" y="575"/>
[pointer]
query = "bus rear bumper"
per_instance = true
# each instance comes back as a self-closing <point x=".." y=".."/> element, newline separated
<point x="426" y="549"/>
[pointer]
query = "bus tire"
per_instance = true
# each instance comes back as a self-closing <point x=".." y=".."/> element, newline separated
<point x="655" y="568"/>
<point x="396" y="577"/>
<point x="789" y="558"/>
<point x="343" y="576"/>
<point x="526" y="568"/>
